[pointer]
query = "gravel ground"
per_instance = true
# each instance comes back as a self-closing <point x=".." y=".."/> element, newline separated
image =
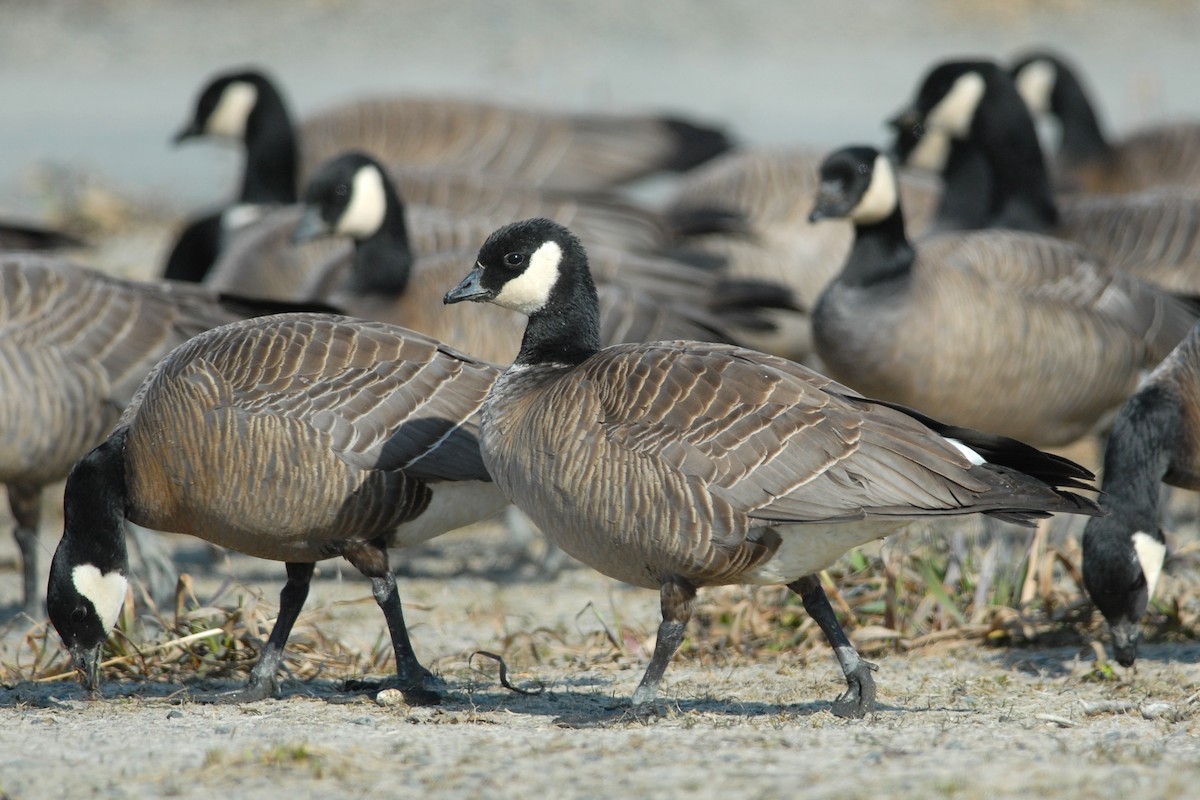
<point x="97" y="88"/>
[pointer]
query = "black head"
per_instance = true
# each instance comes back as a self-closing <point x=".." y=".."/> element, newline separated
<point x="226" y="104"/>
<point x="1121" y="566"/>
<point x="857" y="183"/>
<point x="87" y="576"/>
<point x="349" y="195"/>
<point x="1040" y="77"/>
<point x="532" y="267"/>
<point x="949" y="97"/>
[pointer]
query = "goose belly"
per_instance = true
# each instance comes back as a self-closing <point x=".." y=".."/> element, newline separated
<point x="807" y="549"/>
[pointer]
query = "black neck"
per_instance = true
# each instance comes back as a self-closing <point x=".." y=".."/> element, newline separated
<point x="270" y="172"/>
<point x="94" y="508"/>
<point x="1004" y="131"/>
<point x="968" y="197"/>
<point x="383" y="261"/>
<point x="881" y="252"/>
<point x="567" y="331"/>
<point x="1140" y="450"/>
<point x="1082" y="138"/>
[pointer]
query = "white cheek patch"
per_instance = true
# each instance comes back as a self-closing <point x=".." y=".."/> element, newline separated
<point x="879" y="201"/>
<point x="106" y="593"/>
<point x="368" y="205"/>
<point x="954" y="113"/>
<point x="1035" y="83"/>
<point x="232" y="111"/>
<point x="1150" y="554"/>
<point x="931" y="152"/>
<point x="530" y="290"/>
<point x="971" y="455"/>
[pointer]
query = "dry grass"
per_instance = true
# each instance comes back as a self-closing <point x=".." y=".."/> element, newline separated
<point x="997" y="587"/>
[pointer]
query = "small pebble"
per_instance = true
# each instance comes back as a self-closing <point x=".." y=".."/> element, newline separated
<point x="389" y="698"/>
<point x="1159" y="711"/>
<point x="174" y="714"/>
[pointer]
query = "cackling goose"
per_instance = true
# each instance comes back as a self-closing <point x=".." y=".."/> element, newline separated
<point x="678" y="465"/>
<point x="296" y="438"/>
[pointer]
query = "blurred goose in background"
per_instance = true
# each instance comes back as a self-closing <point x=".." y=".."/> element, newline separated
<point x="452" y="153"/>
<point x="1017" y="333"/>
<point x="74" y="345"/>
<point x="642" y="298"/>
<point x="762" y="199"/>
<point x="1155" y="439"/>
<point x="19" y="235"/>
<point x="1087" y="160"/>
<point x="975" y="109"/>
<point x="679" y="465"/>
<point x="295" y="438"/>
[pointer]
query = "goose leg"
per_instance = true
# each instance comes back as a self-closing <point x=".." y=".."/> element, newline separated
<point x="26" y="504"/>
<point x="414" y="680"/>
<point x="262" y="678"/>
<point x="859" y="698"/>
<point x="676" y="597"/>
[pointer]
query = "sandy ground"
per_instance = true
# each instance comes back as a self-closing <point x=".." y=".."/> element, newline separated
<point x="967" y="722"/>
<point x="99" y="86"/>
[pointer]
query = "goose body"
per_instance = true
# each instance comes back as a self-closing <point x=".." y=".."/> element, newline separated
<point x="295" y="438"/>
<point x="1018" y="333"/>
<point x="74" y="346"/>
<point x="678" y="465"/>
<point x="1155" y="439"/>
<point x="1087" y="159"/>
<point x="1151" y="234"/>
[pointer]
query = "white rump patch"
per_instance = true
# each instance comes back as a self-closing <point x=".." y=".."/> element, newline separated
<point x="368" y="205"/>
<point x="879" y="201"/>
<point x="1035" y="82"/>
<point x="931" y="152"/>
<point x="106" y="593"/>
<point x="233" y="110"/>
<point x="971" y="455"/>
<point x="1151" y="553"/>
<point x="529" y="291"/>
<point x="953" y="114"/>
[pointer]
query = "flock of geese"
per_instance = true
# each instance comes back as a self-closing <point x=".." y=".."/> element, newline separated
<point x="630" y="377"/>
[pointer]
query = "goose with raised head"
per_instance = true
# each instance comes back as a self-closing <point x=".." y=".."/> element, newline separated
<point x="642" y="298"/>
<point x="679" y="465"/>
<point x="1017" y="333"/>
<point x="74" y="345"/>
<point x="295" y="438"/>
<point x="977" y="108"/>
<point x="239" y="106"/>
<point x="1087" y="159"/>
<point x="1154" y="440"/>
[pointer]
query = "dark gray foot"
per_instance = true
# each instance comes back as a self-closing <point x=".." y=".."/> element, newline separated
<point x="859" y="698"/>
<point x="426" y="691"/>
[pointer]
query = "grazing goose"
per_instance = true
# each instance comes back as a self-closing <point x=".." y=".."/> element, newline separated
<point x="1018" y="333"/>
<point x="1155" y="438"/>
<point x="1154" y="235"/>
<point x="678" y="465"/>
<point x="642" y="298"/>
<point x="1087" y="160"/>
<point x="296" y="438"/>
<point x="239" y="106"/>
<point x="74" y="345"/>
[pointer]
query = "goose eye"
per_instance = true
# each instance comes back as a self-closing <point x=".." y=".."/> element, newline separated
<point x="79" y="614"/>
<point x="342" y="190"/>
<point x="513" y="259"/>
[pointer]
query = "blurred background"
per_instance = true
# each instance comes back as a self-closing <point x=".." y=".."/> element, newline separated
<point x="91" y="91"/>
